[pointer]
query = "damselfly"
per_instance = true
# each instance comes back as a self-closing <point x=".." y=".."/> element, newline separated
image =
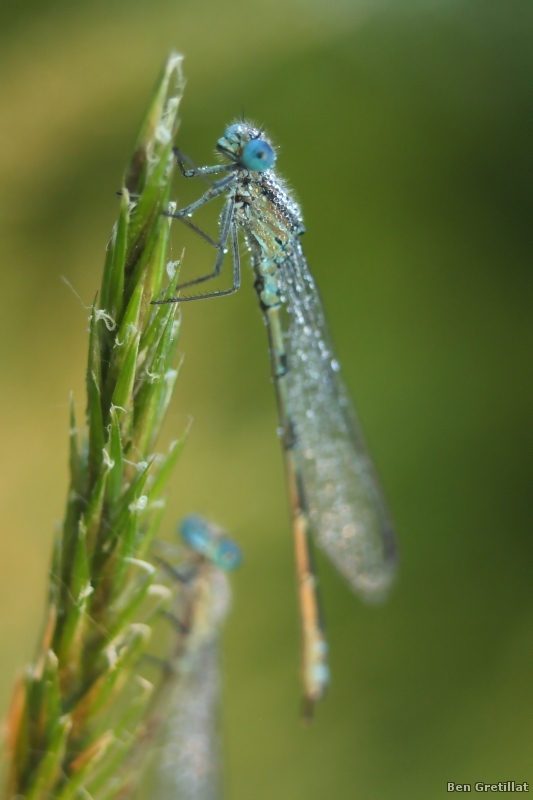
<point x="332" y="486"/>
<point x="188" y="758"/>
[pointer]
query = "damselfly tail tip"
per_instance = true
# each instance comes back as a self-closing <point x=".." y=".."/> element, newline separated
<point x="307" y="711"/>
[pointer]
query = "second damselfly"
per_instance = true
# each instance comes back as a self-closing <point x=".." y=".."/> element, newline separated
<point x="333" y="490"/>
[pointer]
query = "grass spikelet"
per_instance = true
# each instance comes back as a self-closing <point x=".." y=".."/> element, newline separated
<point x="66" y="718"/>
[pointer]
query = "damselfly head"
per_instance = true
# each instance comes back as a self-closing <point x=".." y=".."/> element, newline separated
<point x="247" y="146"/>
<point x="210" y="541"/>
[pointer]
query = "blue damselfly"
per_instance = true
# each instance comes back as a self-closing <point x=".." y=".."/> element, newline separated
<point x="188" y="762"/>
<point x="332" y="486"/>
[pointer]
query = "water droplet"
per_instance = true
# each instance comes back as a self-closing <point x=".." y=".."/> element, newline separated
<point x="335" y="366"/>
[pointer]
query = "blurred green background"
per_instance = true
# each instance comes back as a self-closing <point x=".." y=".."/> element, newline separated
<point x="406" y="130"/>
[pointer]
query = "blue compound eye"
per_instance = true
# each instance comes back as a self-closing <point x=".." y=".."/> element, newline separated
<point x="210" y="542"/>
<point x="228" y="555"/>
<point x="257" y="156"/>
<point x="196" y="533"/>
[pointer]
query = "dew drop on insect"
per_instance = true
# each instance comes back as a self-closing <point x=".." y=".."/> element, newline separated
<point x="225" y="250"/>
<point x="335" y="366"/>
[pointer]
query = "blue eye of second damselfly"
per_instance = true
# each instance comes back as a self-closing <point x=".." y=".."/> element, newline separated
<point x="257" y="156"/>
<point x="208" y="540"/>
<point x="228" y="555"/>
